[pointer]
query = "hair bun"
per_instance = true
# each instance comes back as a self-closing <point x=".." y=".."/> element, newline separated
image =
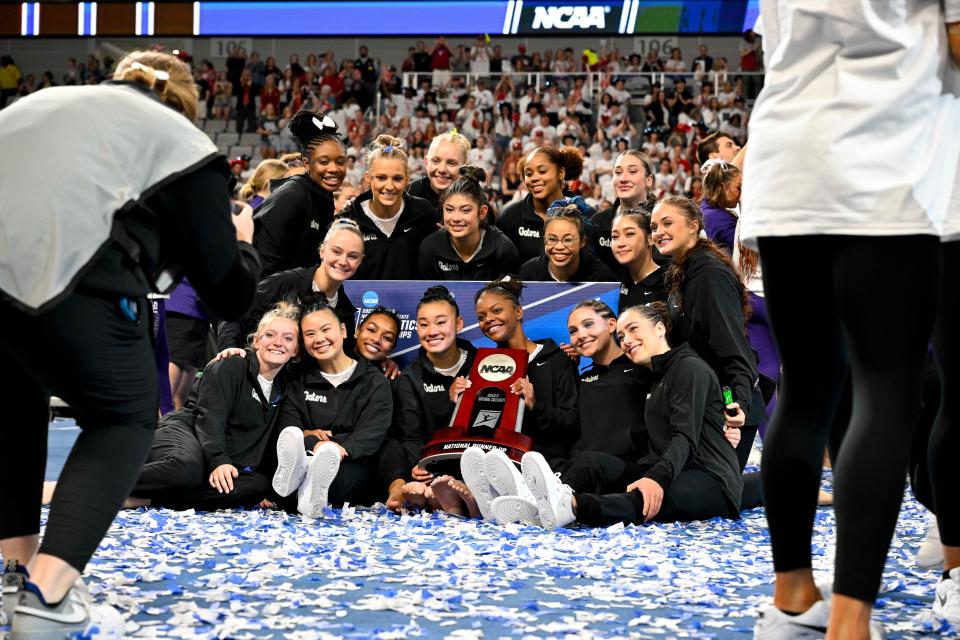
<point x="437" y="290"/>
<point x="473" y="173"/>
<point x="307" y="126"/>
<point x="383" y="141"/>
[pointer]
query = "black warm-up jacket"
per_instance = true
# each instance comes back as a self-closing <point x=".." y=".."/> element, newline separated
<point x="292" y="285"/>
<point x="650" y="289"/>
<point x="684" y="419"/>
<point x="590" y="270"/>
<point x="422" y="402"/>
<point x="711" y="321"/>
<point x="358" y="412"/>
<point x="420" y="188"/>
<point x="440" y="261"/>
<point x="553" y="423"/>
<point x="290" y="224"/>
<point x="393" y="258"/>
<point x="610" y="402"/>
<point x="228" y="413"/>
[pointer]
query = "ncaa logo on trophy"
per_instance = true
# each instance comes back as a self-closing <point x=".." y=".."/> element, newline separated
<point x="488" y="414"/>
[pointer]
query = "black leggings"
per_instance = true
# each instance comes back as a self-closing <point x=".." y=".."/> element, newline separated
<point x="85" y="351"/>
<point x="849" y="318"/>
<point x="945" y="436"/>
<point x="174" y="477"/>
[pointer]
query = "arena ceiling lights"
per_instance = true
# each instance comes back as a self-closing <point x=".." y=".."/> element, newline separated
<point x="384" y="18"/>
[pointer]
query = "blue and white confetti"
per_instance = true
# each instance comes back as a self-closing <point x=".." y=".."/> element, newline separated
<point x="367" y="573"/>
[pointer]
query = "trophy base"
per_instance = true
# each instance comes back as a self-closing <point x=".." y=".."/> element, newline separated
<point x="450" y="447"/>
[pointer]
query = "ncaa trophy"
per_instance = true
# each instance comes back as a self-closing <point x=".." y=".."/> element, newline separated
<point x="487" y="414"/>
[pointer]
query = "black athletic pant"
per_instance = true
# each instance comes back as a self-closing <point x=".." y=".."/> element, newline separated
<point x="597" y="472"/>
<point x="692" y="495"/>
<point x="89" y="354"/>
<point x="174" y="476"/>
<point x="945" y="436"/>
<point x="855" y="317"/>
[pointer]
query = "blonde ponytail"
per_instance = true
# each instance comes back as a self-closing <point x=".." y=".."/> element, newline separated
<point x="166" y="75"/>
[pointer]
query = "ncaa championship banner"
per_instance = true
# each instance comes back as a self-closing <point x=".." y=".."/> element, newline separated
<point x="546" y="306"/>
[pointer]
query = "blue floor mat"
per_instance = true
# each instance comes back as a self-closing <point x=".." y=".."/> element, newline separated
<point x="366" y="573"/>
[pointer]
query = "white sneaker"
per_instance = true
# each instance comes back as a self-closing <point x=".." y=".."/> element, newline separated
<point x="946" y="601"/>
<point x="291" y="462"/>
<point x="509" y="509"/>
<point x="312" y="496"/>
<point x="507" y="480"/>
<point x="554" y="499"/>
<point x="930" y="554"/>
<point x="33" y="619"/>
<point x="472" y="469"/>
<point x="773" y="624"/>
<point x="13" y="579"/>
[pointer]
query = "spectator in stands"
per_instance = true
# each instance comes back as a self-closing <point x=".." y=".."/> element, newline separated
<point x="447" y="152"/>
<point x="467" y="247"/>
<point x="291" y="221"/>
<point x="340" y="409"/>
<point x="652" y="63"/>
<point x="267" y="127"/>
<point x="246" y="111"/>
<point x="257" y="188"/>
<point x="9" y="79"/>
<point x="510" y="179"/>
<point x="733" y="128"/>
<point x="71" y="74"/>
<point x="236" y="62"/>
<point x="565" y="256"/>
<point x="47" y="80"/>
<point x="675" y="63"/>
<point x="521" y="61"/>
<point x="703" y="63"/>
<point x="718" y="145"/>
<point x="28" y="86"/>
<point x="482" y="156"/>
<point x="257" y="68"/>
<point x="666" y="182"/>
<point x="270" y="69"/>
<point x="210" y="454"/>
<point x="440" y="63"/>
<point x="222" y="97"/>
<point x="293" y="66"/>
<point x="544" y="170"/>
<point x="480" y="58"/>
<point x="394" y="223"/>
<point x="270" y="93"/>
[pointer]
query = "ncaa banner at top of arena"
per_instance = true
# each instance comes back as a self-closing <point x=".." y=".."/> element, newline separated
<point x="471" y="17"/>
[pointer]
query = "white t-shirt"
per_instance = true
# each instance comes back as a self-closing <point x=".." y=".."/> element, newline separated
<point x="337" y="379"/>
<point x="266" y="386"/>
<point x="846" y="143"/>
<point x="387" y="225"/>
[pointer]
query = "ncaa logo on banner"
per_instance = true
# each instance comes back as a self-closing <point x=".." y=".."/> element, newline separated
<point x="496" y="367"/>
<point x="370" y="299"/>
